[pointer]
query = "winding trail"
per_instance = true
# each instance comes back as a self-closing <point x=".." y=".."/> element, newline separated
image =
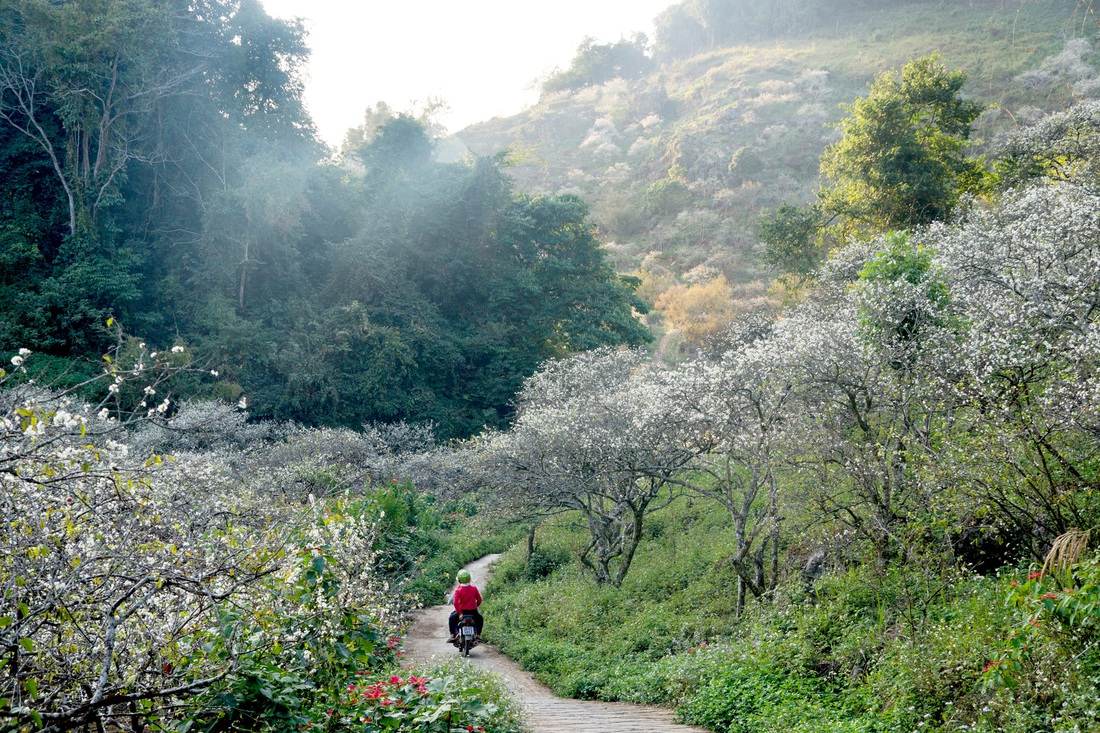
<point x="546" y="713"/>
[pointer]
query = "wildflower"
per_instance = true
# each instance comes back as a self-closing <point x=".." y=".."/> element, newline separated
<point x="1048" y="596"/>
<point x="17" y="361"/>
<point x="395" y="680"/>
<point x="1036" y="575"/>
<point x="214" y="372"/>
<point x="1014" y="583"/>
<point x="242" y="403"/>
<point x="24" y="352"/>
<point x="995" y="663"/>
<point x="179" y="350"/>
<point x="150" y="391"/>
<point x="113" y="389"/>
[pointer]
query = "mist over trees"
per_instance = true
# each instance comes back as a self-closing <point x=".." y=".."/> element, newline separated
<point x="695" y="26"/>
<point x="158" y="166"/>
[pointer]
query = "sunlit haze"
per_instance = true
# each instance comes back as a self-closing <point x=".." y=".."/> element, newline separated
<point x="481" y="57"/>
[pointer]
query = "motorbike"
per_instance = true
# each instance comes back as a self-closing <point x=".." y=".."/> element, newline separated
<point x="466" y="638"/>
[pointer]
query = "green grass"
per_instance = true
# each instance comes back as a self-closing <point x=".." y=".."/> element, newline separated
<point x="901" y="649"/>
<point x="422" y="543"/>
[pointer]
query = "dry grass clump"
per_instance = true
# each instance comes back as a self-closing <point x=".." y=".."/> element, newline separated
<point x="1067" y="551"/>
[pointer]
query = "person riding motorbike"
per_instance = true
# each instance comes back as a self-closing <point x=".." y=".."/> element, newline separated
<point x="466" y="599"/>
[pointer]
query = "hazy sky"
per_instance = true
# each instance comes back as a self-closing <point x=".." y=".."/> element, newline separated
<point x="480" y="56"/>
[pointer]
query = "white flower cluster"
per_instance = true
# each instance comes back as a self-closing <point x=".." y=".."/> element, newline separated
<point x="955" y="369"/>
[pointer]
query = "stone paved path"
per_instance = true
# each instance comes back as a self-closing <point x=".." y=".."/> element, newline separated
<point x="546" y="713"/>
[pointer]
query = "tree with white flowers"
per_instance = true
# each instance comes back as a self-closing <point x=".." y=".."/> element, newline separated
<point x="596" y="433"/>
<point x="138" y="589"/>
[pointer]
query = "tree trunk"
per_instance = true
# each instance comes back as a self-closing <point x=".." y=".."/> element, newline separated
<point x="630" y="543"/>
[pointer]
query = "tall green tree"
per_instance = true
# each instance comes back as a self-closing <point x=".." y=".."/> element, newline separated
<point x="902" y="161"/>
<point x="125" y="125"/>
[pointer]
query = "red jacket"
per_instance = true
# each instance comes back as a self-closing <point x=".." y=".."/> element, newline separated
<point x="466" y="598"/>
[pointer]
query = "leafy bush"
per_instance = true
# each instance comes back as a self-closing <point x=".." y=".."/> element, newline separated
<point x="871" y="649"/>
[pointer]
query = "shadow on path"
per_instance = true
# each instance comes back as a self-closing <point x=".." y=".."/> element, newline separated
<point x="546" y="713"/>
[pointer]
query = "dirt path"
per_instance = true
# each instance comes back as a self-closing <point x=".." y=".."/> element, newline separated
<point x="546" y="713"/>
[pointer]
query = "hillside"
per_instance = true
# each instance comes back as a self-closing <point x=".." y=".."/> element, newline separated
<point x="679" y="163"/>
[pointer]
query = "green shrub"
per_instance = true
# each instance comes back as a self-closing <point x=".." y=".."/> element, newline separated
<point x="543" y="562"/>
<point x="872" y="649"/>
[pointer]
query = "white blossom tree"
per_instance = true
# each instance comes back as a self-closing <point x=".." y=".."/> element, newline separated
<point x="130" y="583"/>
<point x="595" y="433"/>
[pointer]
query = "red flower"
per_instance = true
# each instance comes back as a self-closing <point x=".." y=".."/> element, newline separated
<point x="1014" y="583"/>
<point x="395" y="680"/>
<point x="1036" y="575"/>
<point x="991" y="665"/>
<point x="1048" y="596"/>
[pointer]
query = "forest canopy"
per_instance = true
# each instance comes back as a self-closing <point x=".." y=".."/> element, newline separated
<point x="159" y="167"/>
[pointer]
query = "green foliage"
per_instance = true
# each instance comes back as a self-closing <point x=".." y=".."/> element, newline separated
<point x="458" y="697"/>
<point x="902" y="161"/>
<point x="742" y="698"/>
<point x="596" y="63"/>
<point x="902" y="273"/>
<point x="792" y="239"/>
<point x="666" y="196"/>
<point x="330" y="663"/>
<point x="863" y="649"/>
<point x="692" y="26"/>
<point x="772" y="82"/>
<point x="746" y="165"/>
<point x="422" y="544"/>
<point x="1054" y="635"/>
